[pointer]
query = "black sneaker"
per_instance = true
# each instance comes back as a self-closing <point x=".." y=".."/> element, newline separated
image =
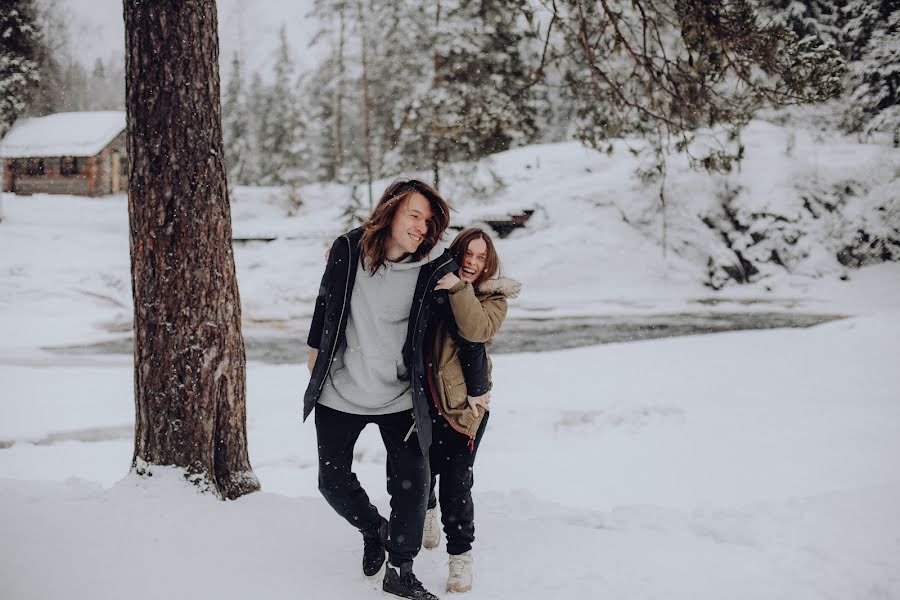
<point x="373" y="548"/>
<point x="404" y="584"/>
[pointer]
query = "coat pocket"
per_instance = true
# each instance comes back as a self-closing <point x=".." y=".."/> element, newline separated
<point x="454" y="386"/>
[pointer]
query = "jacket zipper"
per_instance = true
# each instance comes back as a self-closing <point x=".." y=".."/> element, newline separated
<point x="415" y="329"/>
<point x="341" y="318"/>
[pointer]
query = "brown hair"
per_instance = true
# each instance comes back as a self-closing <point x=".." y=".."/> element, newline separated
<point x="461" y="243"/>
<point x="377" y="227"/>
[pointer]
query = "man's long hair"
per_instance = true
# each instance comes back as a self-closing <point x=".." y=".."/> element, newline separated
<point x="377" y="228"/>
<point x="458" y="252"/>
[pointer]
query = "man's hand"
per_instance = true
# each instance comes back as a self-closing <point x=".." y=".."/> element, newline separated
<point x="483" y="401"/>
<point x="447" y="281"/>
<point x="311" y="359"/>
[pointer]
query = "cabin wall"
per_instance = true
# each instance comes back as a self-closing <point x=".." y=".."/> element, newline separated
<point x="52" y="180"/>
<point x="104" y="170"/>
<point x="80" y="176"/>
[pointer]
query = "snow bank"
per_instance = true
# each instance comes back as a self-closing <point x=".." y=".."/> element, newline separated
<point x="740" y="465"/>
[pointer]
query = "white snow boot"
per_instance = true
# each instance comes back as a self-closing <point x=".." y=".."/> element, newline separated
<point x="460" y="579"/>
<point x="431" y="534"/>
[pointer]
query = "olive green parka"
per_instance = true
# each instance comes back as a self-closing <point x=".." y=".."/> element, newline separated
<point x="478" y="315"/>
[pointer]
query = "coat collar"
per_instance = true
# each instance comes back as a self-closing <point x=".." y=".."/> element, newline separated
<point x="505" y="286"/>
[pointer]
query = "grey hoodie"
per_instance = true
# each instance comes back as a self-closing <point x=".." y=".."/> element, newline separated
<point x="368" y="376"/>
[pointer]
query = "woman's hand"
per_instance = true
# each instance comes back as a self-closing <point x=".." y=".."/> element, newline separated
<point x="447" y="281"/>
<point x="483" y="401"/>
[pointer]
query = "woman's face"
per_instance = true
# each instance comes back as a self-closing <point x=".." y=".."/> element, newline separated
<point x="473" y="261"/>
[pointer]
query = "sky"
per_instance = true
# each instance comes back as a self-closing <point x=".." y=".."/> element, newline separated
<point x="250" y="28"/>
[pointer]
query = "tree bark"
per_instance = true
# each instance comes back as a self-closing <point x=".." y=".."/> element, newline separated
<point x="189" y="360"/>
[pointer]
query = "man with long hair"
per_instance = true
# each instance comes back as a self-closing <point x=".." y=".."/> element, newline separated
<point x="367" y="366"/>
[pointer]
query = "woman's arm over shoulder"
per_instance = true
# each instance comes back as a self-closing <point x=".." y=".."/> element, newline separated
<point x="477" y="321"/>
<point x="473" y="360"/>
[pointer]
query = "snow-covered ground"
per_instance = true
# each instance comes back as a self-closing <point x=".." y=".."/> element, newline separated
<point x="737" y="465"/>
<point x="740" y="465"/>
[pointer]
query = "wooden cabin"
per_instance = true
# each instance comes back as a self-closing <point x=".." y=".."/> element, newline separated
<point x="80" y="153"/>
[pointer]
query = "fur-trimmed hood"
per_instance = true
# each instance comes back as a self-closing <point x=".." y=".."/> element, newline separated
<point x="505" y="286"/>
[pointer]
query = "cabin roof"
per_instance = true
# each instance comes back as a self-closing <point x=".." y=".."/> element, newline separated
<point x="63" y="134"/>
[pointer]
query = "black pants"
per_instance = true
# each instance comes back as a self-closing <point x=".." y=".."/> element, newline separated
<point x="453" y="461"/>
<point x="407" y="476"/>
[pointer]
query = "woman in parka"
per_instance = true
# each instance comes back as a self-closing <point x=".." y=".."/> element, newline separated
<point x="477" y="301"/>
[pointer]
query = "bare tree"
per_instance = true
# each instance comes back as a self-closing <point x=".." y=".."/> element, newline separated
<point x="338" y="131"/>
<point x="672" y="72"/>
<point x="365" y="95"/>
<point x="189" y="360"/>
<point x="666" y="70"/>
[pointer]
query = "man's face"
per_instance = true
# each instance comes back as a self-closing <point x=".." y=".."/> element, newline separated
<point x="409" y="226"/>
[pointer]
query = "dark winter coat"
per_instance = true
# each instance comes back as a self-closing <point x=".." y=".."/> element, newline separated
<point x="328" y="328"/>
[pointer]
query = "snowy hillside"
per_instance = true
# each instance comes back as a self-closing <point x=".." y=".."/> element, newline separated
<point x="593" y="245"/>
<point x="740" y="465"/>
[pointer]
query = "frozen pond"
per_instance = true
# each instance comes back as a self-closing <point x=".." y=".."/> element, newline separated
<point x="535" y="335"/>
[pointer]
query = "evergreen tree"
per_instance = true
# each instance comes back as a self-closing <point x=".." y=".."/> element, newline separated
<point x="821" y="18"/>
<point x="400" y="73"/>
<point x="446" y="80"/>
<point x="486" y="98"/>
<point x="866" y="34"/>
<point x="21" y="46"/>
<point x="74" y="92"/>
<point x="860" y="21"/>
<point x="343" y="95"/>
<point x="476" y="93"/>
<point x="106" y="85"/>
<point x="875" y="99"/>
<point x="364" y="93"/>
<point x="65" y="83"/>
<point x="55" y="63"/>
<point x="328" y="92"/>
<point x="284" y="153"/>
<point x="236" y="131"/>
<point x="326" y="124"/>
<point x="662" y="72"/>
<point x="257" y="96"/>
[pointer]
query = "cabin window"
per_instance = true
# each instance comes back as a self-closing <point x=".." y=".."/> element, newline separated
<point x="34" y="166"/>
<point x="68" y="165"/>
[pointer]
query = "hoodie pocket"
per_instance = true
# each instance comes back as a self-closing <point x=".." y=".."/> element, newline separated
<point x="402" y="373"/>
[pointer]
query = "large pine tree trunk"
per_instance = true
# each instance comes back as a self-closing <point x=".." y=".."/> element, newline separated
<point x="189" y="361"/>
